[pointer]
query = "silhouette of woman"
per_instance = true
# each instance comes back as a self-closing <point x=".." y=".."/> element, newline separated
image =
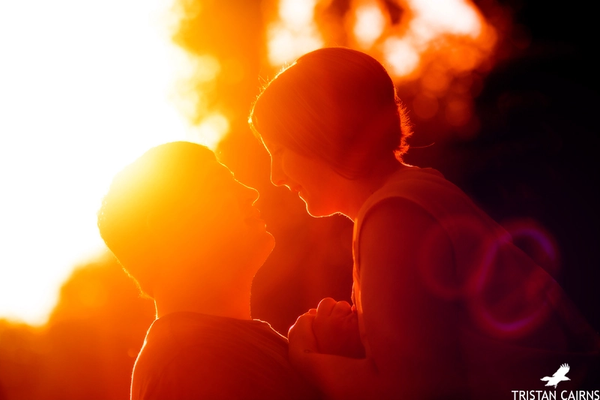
<point x="445" y="306"/>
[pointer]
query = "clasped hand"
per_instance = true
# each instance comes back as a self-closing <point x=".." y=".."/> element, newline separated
<point x="331" y="328"/>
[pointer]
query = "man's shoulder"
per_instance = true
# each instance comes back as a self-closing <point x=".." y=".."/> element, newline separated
<point x="184" y="338"/>
<point x="188" y="357"/>
<point x="191" y="373"/>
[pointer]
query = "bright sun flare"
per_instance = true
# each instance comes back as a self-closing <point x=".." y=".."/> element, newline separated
<point x="85" y="87"/>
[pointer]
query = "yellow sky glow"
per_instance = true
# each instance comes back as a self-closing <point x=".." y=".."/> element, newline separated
<point x="294" y="33"/>
<point x="85" y="87"/>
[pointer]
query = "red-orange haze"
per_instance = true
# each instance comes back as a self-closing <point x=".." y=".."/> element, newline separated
<point x="437" y="51"/>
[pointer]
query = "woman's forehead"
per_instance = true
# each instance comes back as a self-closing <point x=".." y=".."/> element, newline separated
<point x="270" y="145"/>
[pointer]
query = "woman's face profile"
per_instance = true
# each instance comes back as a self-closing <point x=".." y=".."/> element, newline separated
<point x="312" y="179"/>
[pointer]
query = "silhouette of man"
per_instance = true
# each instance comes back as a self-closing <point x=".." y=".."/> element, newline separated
<point x="189" y="234"/>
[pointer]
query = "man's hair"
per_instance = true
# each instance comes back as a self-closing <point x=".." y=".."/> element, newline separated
<point x="154" y="190"/>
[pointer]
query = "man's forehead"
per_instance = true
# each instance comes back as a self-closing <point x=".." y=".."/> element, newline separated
<point x="218" y="172"/>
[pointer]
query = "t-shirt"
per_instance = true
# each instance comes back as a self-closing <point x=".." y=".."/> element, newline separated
<point x="194" y="356"/>
<point x="516" y="324"/>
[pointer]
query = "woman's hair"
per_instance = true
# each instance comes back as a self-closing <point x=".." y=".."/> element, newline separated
<point x="335" y="104"/>
<point x="155" y="190"/>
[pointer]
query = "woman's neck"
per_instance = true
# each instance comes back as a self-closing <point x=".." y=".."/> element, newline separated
<point x="359" y="190"/>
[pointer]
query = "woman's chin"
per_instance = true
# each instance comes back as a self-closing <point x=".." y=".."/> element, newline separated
<point x="316" y="212"/>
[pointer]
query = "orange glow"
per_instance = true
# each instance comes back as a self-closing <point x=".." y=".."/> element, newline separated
<point x="452" y="28"/>
<point x="294" y="32"/>
<point x="369" y="23"/>
<point x="78" y="101"/>
<point x="211" y="130"/>
<point x="401" y="55"/>
<point x="436" y="80"/>
<point x="448" y="31"/>
<point x="458" y="112"/>
<point x="199" y="76"/>
<point x="428" y="42"/>
<point x="433" y="18"/>
<point x="425" y="106"/>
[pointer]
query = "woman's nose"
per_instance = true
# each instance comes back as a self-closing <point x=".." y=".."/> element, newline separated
<point x="277" y="175"/>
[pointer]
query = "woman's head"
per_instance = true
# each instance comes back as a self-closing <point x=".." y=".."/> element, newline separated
<point x="335" y="104"/>
<point x="177" y="207"/>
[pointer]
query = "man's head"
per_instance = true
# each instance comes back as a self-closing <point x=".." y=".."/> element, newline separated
<point x="177" y="211"/>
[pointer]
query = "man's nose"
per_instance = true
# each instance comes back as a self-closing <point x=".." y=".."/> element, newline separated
<point x="251" y="195"/>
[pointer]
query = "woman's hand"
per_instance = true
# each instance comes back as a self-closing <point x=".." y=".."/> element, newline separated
<point x="335" y="327"/>
<point x="336" y="377"/>
<point x="331" y="328"/>
<point x="301" y="336"/>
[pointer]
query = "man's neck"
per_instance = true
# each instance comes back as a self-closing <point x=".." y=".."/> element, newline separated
<point x="232" y="302"/>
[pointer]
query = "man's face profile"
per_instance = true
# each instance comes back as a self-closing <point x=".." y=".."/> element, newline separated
<point x="218" y="220"/>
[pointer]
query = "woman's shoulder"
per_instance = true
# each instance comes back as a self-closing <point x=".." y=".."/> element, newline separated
<point x="424" y="195"/>
<point x="424" y="187"/>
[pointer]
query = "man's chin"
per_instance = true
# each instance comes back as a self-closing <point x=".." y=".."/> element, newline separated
<point x="260" y="250"/>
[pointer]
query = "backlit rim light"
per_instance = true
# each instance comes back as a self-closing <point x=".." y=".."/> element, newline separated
<point x="79" y="102"/>
<point x="294" y="33"/>
<point x="427" y="30"/>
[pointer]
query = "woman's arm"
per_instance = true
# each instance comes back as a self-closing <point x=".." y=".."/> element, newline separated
<point x="411" y="335"/>
<point x="411" y="329"/>
<point x="337" y="377"/>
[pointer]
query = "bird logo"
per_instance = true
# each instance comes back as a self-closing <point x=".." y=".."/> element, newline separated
<point x="559" y="376"/>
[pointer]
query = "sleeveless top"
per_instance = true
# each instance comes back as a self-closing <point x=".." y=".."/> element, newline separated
<point x="516" y="324"/>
